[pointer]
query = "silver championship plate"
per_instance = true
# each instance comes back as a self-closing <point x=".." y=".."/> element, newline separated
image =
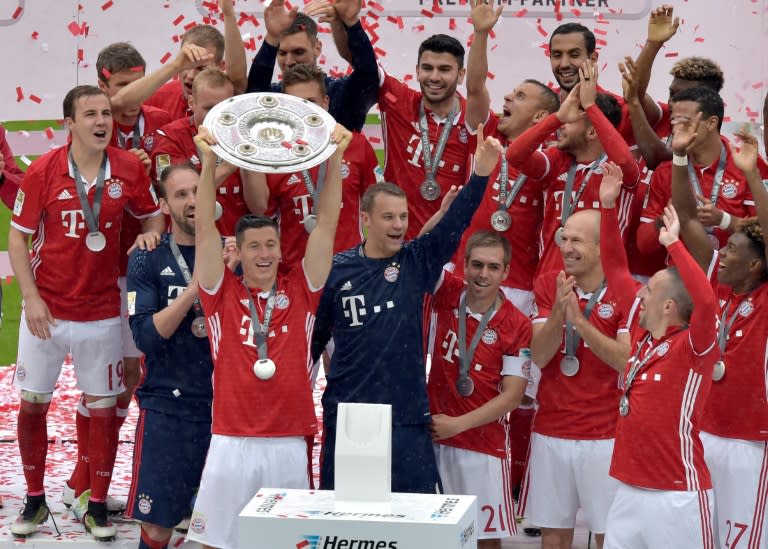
<point x="271" y="132"/>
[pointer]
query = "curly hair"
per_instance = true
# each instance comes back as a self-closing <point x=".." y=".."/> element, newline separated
<point x="751" y="228"/>
<point x="699" y="69"/>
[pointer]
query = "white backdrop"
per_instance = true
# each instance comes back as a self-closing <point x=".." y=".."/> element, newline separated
<point x="51" y="45"/>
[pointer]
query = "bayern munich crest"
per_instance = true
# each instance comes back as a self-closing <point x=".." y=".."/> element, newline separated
<point x="344" y="170"/>
<point x="489" y="336"/>
<point x="746" y="308"/>
<point x="729" y="190"/>
<point x="145" y="504"/>
<point x="114" y="190"/>
<point x="282" y="301"/>
<point x="391" y="273"/>
<point x="663" y="349"/>
<point x="197" y="525"/>
<point x="463" y="136"/>
<point x="605" y="310"/>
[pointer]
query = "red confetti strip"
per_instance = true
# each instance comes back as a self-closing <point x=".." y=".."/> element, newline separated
<point x="137" y="68"/>
<point x="436" y="8"/>
<point x="165" y="57"/>
<point x="49" y="132"/>
<point x="35" y="35"/>
<point x="211" y="6"/>
<point x="178" y="20"/>
<point x="522" y="12"/>
<point x="17" y="13"/>
<point x="757" y="85"/>
<point x="374" y="140"/>
<point x="698" y="39"/>
<point x="601" y="32"/>
<point x="376" y="6"/>
<point x="541" y="30"/>
<point x="390" y="97"/>
<point x="418" y="28"/>
<point x="600" y="42"/>
<point x="576" y="12"/>
<point x="35" y="98"/>
<point x="190" y="25"/>
<point x="19" y="94"/>
<point x="106" y="73"/>
<point x="176" y="38"/>
<point x="287" y="145"/>
<point x="671" y="54"/>
<point x="407" y="77"/>
<point x="427" y="13"/>
<point x="80" y="55"/>
<point x="106" y="5"/>
<point x="74" y="28"/>
<point x="396" y="20"/>
<point x="490" y="75"/>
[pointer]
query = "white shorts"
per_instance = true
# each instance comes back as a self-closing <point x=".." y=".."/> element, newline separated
<point x="659" y="519"/>
<point x="564" y="475"/>
<point x="96" y="353"/>
<point x="739" y="470"/>
<point x="469" y="473"/>
<point x="235" y="469"/>
<point x="129" y="346"/>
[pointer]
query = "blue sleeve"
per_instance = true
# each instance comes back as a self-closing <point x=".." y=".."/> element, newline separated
<point x="436" y="247"/>
<point x="262" y="67"/>
<point x="141" y="280"/>
<point x="323" y="324"/>
<point x="354" y="95"/>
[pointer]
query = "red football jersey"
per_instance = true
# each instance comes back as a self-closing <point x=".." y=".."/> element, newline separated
<point x="151" y="119"/>
<point x="76" y="283"/>
<point x="291" y="200"/>
<point x="404" y="164"/>
<point x="503" y="349"/>
<point x="174" y="143"/>
<point x="527" y="212"/>
<point x="170" y="99"/>
<point x="244" y="405"/>
<point x="737" y="406"/>
<point x="584" y="406"/>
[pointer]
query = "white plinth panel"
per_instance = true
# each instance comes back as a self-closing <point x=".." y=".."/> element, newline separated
<point x="307" y="519"/>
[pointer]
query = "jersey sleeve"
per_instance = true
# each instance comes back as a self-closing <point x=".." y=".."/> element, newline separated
<point x="517" y="351"/>
<point x="30" y="199"/>
<point x="142" y="201"/>
<point x="523" y="153"/>
<point x="166" y="151"/>
<point x="542" y="292"/>
<point x="392" y="93"/>
<point x="143" y="301"/>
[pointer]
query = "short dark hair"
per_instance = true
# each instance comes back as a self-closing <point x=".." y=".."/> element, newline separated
<point x="442" y="43"/>
<point x="488" y="239"/>
<point x="610" y="108"/>
<point x="118" y="57"/>
<point x="677" y="292"/>
<point x="750" y="227"/>
<point x="302" y="73"/>
<point x="571" y="28"/>
<point x="700" y="69"/>
<point x="206" y="36"/>
<point x="709" y="101"/>
<point x="366" y="202"/>
<point x="165" y="175"/>
<point x="549" y="100"/>
<point x="253" y="221"/>
<point x="303" y="23"/>
<point x="73" y="95"/>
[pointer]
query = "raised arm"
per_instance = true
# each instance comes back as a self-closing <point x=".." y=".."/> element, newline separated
<point x="440" y="213"/>
<point x="234" y="50"/>
<point x="209" y="264"/>
<point x="746" y="161"/>
<point x="484" y="17"/>
<point x="277" y="18"/>
<point x="318" y="255"/>
<point x="255" y="191"/>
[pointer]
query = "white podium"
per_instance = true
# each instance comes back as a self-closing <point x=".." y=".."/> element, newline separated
<point x="313" y="519"/>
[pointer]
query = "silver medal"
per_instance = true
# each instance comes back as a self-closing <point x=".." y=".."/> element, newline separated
<point x="264" y="368"/>
<point x="429" y="190"/>
<point x="501" y="221"/>
<point x="465" y="386"/>
<point x="198" y="327"/>
<point x="559" y="236"/>
<point x="624" y="405"/>
<point x="218" y="211"/>
<point x="719" y="371"/>
<point x="96" y="241"/>
<point x="310" y="222"/>
<point x="569" y="365"/>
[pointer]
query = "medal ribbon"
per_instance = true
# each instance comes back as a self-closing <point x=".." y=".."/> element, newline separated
<point x="572" y="339"/>
<point x="432" y="164"/>
<point x="725" y="327"/>
<point x="135" y="135"/>
<point x="718" y="181"/>
<point x="569" y="201"/>
<point x="185" y="272"/>
<point x="91" y="215"/>
<point x="260" y="330"/>
<point x="506" y="199"/>
<point x="638" y="364"/>
<point x="465" y="356"/>
<point x="313" y="190"/>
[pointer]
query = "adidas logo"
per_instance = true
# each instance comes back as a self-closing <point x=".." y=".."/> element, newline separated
<point x="293" y="179"/>
<point x="64" y="195"/>
<point x="167" y="272"/>
<point x="346" y="287"/>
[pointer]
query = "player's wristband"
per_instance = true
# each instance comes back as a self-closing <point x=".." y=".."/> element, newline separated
<point x="725" y="222"/>
<point x="680" y="159"/>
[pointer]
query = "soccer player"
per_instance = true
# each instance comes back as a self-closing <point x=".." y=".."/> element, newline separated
<point x="734" y="423"/>
<point x="291" y="39"/>
<point x="664" y="499"/>
<point x="175" y="393"/>
<point x="426" y="142"/>
<point x="259" y="327"/>
<point x="72" y="199"/>
<point x="293" y="197"/>
<point x="372" y="306"/>
<point x="174" y="143"/>
<point x="579" y="343"/>
<point x="570" y="170"/>
<point x="480" y="369"/>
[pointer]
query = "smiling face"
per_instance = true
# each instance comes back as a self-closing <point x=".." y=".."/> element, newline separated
<point x="438" y="75"/>
<point x="484" y="271"/>
<point x="386" y="224"/>
<point x="653" y="300"/>
<point x="580" y="246"/>
<point x="567" y="53"/>
<point x="91" y="123"/>
<point x="259" y="250"/>
<point x="297" y="48"/>
<point x="522" y="108"/>
<point x="736" y="259"/>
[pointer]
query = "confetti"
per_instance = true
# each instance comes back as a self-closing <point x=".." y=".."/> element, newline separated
<point x="671" y="54"/>
<point x="178" y="20"/>
<point x="106" y="5"/>
<point x="17" y="13"/>
<point x="698" y="39"/>
<point x="19" y="94"/>
<point x="190" y="25"/>
<point x="165" y="58"/>
<point x="35" y="98"/>
<point x="390" y="97"/>
<point x="35" y="35"/>
<point x="49" y="132"/>
<point x="74" y="28"/>
<point x="105" y="72"/>
<point x="427" y="13"/>
<point x="521" y="13"/>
